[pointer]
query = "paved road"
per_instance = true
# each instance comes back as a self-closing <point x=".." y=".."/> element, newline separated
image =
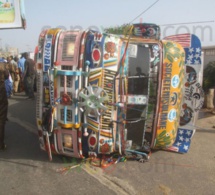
<point x="25" y="169"/>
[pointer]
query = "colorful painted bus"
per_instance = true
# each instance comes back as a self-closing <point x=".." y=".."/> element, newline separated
<point x="102" y="95"/>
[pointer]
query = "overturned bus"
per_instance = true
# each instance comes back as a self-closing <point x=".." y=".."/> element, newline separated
<point x="102" y="95"/>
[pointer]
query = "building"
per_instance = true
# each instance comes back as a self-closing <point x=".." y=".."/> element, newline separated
<point x="13" y="51"/>
<point x="9" y="51"/>
<point x="208" y="53"/>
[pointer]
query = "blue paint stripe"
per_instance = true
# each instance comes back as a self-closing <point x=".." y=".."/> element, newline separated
<point x="76" y="115"/>
<point x="76" y="118"/>
<point x="76" y="84"/>
<point x="65" y="115"/>
<point x="69" y="73"/>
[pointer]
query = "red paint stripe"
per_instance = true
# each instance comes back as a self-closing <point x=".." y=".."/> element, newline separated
<point x="183" y="39"/>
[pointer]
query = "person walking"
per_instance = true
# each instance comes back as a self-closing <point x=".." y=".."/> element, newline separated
<point x="30" y="75"/>
<point x="3" y="104"/>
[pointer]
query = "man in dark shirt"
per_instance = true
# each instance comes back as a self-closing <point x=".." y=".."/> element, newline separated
<point x="3" y="104"/>
<point x="29" y="76"/>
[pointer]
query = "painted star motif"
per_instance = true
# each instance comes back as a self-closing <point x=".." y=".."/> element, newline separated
<point x="188" y="133"/>
<point x="186" y="147"/>
<point x="197" y="55"/>
<point x="181" y="132"/>
<point x="198" y="50"/>
<point x="178" y="144"/>
<point x="187" y="140"/>
<point x="188" y="62"/>
<point x="181" y="138"/>
<point x="190" y="57"/>
<point x="196" y="62"/>
<point x="191" y="50"/>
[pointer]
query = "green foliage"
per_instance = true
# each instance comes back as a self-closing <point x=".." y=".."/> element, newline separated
<point x="209" y="76"/>
<point x="118" y="30"/>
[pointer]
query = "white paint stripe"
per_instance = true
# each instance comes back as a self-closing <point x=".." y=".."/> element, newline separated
<point x="81" y="56"/>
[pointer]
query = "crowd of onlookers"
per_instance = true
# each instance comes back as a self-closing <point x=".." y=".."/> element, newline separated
<point x="19" y="71"/>
<point x="16" y="75"/>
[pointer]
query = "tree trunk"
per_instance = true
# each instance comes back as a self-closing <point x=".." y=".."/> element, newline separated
<point x="210" y="99"/>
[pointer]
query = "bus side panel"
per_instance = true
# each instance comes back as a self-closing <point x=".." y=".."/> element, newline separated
<point x="193" y="98"/>
<point x="40" y="80"/>
<point x="66" y="79"/>
<point x="171" y="94"/>
<point x="102" y="54"/>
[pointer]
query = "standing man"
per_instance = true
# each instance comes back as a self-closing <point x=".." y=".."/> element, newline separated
<point x="16" y="76"/>
<point x="21" y="62"/>
<point x="29" y="76"/>
<point x="3" y="104"/>
<point x="12" y="68"/>
<point x="21" y="66"/>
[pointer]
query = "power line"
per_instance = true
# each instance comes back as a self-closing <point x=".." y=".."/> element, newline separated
<point x="168" y="24"/>
<point x="144" y="11"/>
<point x="187" y="23"/>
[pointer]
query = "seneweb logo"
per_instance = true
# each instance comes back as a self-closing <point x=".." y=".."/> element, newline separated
<point x="204" y="32"/>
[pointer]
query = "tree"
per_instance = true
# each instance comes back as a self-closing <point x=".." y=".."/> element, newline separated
<point x="118" y="30"/>
<point x="209" y="76"/>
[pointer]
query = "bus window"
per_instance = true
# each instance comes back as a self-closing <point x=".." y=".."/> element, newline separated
<point x="138" y="91"/>
<point x="139" y="71"/>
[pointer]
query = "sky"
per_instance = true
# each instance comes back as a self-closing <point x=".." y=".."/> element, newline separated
<point x="173" y="17"/>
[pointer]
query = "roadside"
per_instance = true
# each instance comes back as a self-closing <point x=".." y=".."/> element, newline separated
<point x="206" y="120"/>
